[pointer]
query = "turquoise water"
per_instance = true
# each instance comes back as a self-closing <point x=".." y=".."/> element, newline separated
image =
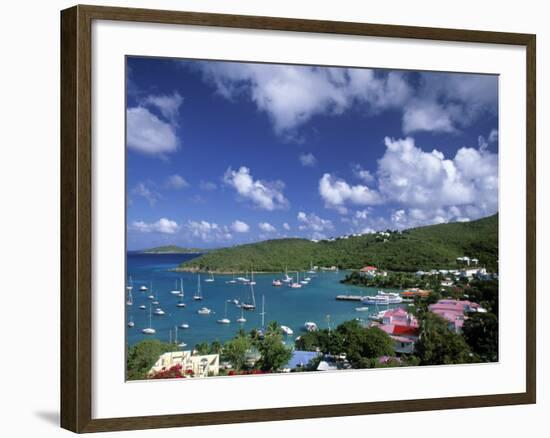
<point x="290" y="307"/>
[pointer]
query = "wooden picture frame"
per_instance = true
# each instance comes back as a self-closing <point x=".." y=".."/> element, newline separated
<point x="76" y="217"/>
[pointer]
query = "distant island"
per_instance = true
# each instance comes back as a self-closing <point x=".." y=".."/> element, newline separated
<point x="172" y="249"/>
<point x="429" y="247"/>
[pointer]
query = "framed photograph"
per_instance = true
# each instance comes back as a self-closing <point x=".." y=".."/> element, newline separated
<point x="269" y="218"/>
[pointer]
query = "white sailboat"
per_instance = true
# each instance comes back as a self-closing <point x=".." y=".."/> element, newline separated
<point x="311" y="270"/>
<point x="198" y="293"/>
<point x="204" y="311"/>
<point x="143" y="307"/>
<point x="262" y="313"/>
<point x="150" y="296"/>
<point x="250" y="305"/>
<point x="131" y="322"/>
<point x="129" y="299"/>
<point x="241" y="319"/>
<point x="175" y="291"/>
<point x="181" y="344"/>
<point x="296" y="285"/>
<point x="159" y="311"/>
<point x="210" y="280"/>
<point x="225" y="319"/>
<point x="184" y="325"/>
<point x="232" y="281"/>
<point x="287" y="279"/>
<point x="149" y="330"/>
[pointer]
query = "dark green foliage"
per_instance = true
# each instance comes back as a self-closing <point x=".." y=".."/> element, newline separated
<point x="431" y="247"/>
<point x="361" y="345"/>
<point x="143" y="355"/>
<point x="235" y="351"/>
<point x="438" y="345"/>
<point x="481" y="333"/>
<point x="273" y="353"/>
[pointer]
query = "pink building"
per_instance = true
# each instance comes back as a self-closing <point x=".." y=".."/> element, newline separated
<point x="402" y="328"/>
<point x="454" y="311"/>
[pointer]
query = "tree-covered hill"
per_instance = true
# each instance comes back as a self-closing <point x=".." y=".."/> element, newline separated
<point x="429" y="247"/>
<point x="172" y="249"/>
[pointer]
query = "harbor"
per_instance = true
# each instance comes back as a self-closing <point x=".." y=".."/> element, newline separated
<point x="225" y="304"/>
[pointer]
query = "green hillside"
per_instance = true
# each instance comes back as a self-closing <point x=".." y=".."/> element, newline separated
<point x="172" y="249"/>
<point x="434" y="246"/>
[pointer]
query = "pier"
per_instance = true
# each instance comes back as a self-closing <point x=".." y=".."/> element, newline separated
<point x="349" y="297"/>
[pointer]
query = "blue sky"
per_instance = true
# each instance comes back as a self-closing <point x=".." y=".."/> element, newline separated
<point x="222" y="153"/>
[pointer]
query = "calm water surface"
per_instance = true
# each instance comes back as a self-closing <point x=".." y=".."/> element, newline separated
<point x="290" y="307"/>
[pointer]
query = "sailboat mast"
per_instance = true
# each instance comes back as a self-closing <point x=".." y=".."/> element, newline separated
<point x="263" y="311"/>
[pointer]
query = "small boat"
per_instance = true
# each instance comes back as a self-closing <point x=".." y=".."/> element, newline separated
<point x="296" y="284"/>
<point x="362" y="309"/>
<point x="311" y="270"/>
<point x="175" y="291"/>
<point x="277" y="283"/>
<point x="204" y="311"/>
<point x="232" y="281"/>
<point x="287" y="279"/>
<point x="250" y="305"/>
<point x="131" y="322"/>
<point x="287" y="330"/>
<point x="209" y="280"/>
<point x="143" y="288"/>
<point x="159" y="311"/>
<point x="184" y="325"/>
<point x="225" y="319"/>
<point x="310" y="326"/>
<point x="129" y="299"/>
<point x="180" y="303"/>
<point x="143" y="307"/>
<point x="149" y="330"/>
<point x="198" y="293"/>
<point x="241" y="319"/>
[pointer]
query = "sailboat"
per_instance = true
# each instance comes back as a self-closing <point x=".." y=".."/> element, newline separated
<point x="156" y="297"/>
<point x="184" y="325"/>
<point x="297" y="284"/>
<point x="311" y="270"/>
<point x="232" y="281"/>
<point x="149" y="330"/>
<point x="129" y="300"/>
<point x="159" y="311"/>
<point x="181" y="344"/>
<point x="175" y="291"/>
<point x="210" y="280"/>
<point x="224" y="320"/>
<point x="262" y="313"/>
<point x="198" y="293"/>
<point x="287" y="279"/>
<point x="252" y="304"/>
<point x="242" y="319"/>
<point x="143" y="307"/>
<point x="131" y="322"/>
<point x="150" y="296"/>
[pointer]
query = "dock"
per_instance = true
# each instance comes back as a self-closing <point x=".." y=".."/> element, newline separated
<point x="349" y="297"/>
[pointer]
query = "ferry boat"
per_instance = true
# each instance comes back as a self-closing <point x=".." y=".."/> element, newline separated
<point x="382" y="297"/>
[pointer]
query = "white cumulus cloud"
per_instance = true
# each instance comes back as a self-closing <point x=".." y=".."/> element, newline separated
<point x="207" y="231"/>
<point x="148" y="134"/>
<point x="313" y="222"/>
<point x="266" y="227"/>
<point x="264" y="194"/>
<point x="308" y="160"/>
<point x="176" y="182"/>
<point x="168" y="105"/>
<point x="163" y="226"/>
<point x="240" y="227"/>
<point x="286" y="226"/>
<point x="337" y="192"/>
